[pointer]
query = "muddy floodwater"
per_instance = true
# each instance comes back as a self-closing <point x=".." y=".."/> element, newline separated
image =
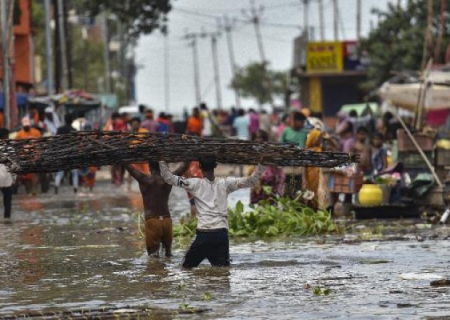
<point x="66" y="252"/>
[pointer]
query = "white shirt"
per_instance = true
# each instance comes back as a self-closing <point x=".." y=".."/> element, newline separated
<point x="6" y="178"/>
<point x="211" y="196"/>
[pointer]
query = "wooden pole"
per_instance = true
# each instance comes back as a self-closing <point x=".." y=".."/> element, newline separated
<point x="422" y="154"/>
<point x="428" y="35"/>
<point x="437" y="49"/>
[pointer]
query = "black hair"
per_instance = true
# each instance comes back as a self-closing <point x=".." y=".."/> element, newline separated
<point x="68" y="118"/>
<point x="203" y="106"/>
<point x="4" y="133"/>
<point x="378" y="135"/>
<point x="153" y="165"/>
<point x="298" y="116"/>
<point x="115" y="115"/>
<point x="353" y="113"/>
<point x="263" y="134"/>
<point x="141" y="108"/>
<point x="207" y="163"/>
<point x="241" y="112"/>
<point x="362" y="129"/>
<point x="284" y="117"/>
<point x="162" y="115"/>
<point x="135" y="119"/>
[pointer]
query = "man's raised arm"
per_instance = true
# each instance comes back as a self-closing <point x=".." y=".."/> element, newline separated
<point x="170" y="178"/>
<point x="138" y="175"/>
<point x="234" y="184"/>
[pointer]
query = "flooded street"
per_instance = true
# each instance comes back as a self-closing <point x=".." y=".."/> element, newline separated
<point x="79" y="252"/>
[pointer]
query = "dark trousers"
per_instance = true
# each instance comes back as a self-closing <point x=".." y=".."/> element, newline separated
<point x="212" y="245"/>
<point x="7" y="199"/>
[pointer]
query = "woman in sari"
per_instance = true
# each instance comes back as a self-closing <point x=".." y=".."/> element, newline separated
<point x="272" y="177"/>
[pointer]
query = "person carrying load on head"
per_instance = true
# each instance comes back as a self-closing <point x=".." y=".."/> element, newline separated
<point x="155" y="195"/>
<point x="30" y="180"/>
<point x="210" y="196"/>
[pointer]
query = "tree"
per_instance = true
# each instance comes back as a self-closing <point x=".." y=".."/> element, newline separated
<point x="138" y="16"/>
<point x="397" y="44"/>
<point x="250" y="81"/>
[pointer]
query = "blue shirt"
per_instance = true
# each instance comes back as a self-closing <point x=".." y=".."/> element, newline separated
<point x="241" y="124"/>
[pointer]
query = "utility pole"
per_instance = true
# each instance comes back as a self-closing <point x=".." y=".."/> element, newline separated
<point x="428" y="34"/>
<point x="228" y="28"/>
<point x="358" y="19"/>
<point x="6" y="67"/>
<point x="193" y="37"/>
<point x="62" y="42"/>
<point x="49" y="49"/>
<point x="321" y="20"/>
<point x="336" y="20"/>
<point x="214" y="36"/>
<point x="437" y="50"/>
<point x="306" y="18"/>
<point x="255" y="18"/>
<point x="166" y="73"/>
<point x="106" y="53"/>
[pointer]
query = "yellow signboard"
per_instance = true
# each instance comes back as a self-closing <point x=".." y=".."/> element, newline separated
<point x="324" y="57"/>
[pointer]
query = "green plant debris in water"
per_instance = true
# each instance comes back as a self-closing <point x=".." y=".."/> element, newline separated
<point x="318" y="291"/>
<point x="270" y="218"/>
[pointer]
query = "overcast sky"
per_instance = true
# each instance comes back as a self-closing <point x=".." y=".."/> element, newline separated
<point x="281" y="22"/>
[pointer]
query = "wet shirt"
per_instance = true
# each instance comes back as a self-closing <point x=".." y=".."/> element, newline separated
<point x="211" y="196"/>
<point x="290" y="135"/>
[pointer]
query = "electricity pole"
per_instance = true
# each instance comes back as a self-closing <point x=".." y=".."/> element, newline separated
<point x="358" y="19"/>
<point x="336" y="20"/>
<point x="49" y="49"/>
<point x="106" y="53"/>
<point x="321" y="21"/>
<point x="306" y="18"/>
<point x="166" y="73"/>
<point x="62" y="37"/>
<point x="193" y="38"/>
<point x="228" y="28"/>
<point x="255" y="18"/>
<point x="214" y="36"/>
<point x="6" y="68"/>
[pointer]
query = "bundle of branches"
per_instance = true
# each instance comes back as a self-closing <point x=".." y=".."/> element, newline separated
<point x="84" y="149"/>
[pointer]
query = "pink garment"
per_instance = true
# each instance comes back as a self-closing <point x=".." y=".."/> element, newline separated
<point x="437" y="118"/>
<point x="254" y="123"/>
<point x="280" y="130"/>
<point x="150" y="124"/>
<point x="347" y="145"/>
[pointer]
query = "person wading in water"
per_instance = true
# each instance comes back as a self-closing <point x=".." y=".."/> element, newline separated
<point x="155" y="195"/>
<point x="210" y="197"/>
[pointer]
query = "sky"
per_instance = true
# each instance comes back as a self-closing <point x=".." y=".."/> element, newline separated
<point x="280" y="23"/>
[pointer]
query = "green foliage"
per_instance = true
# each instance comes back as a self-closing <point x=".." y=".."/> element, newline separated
<point x="398" y="41"/>
<point x="138" y="16"/>
<point x="318" y="291"/>
<point x="285" y="217"/>
<point x="250" y="81"/>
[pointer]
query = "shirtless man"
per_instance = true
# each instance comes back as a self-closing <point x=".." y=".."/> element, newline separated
<point x="155" y="195"/>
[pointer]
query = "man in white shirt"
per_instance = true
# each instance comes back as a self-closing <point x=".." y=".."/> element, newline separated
<point x="6" y="181"/>
<point x="210" y="196"/>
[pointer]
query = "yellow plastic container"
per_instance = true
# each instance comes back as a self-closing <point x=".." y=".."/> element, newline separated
<point x="370" y="195"/>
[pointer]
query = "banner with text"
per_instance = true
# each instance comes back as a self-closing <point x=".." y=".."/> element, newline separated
<point x="324" y="57"/>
